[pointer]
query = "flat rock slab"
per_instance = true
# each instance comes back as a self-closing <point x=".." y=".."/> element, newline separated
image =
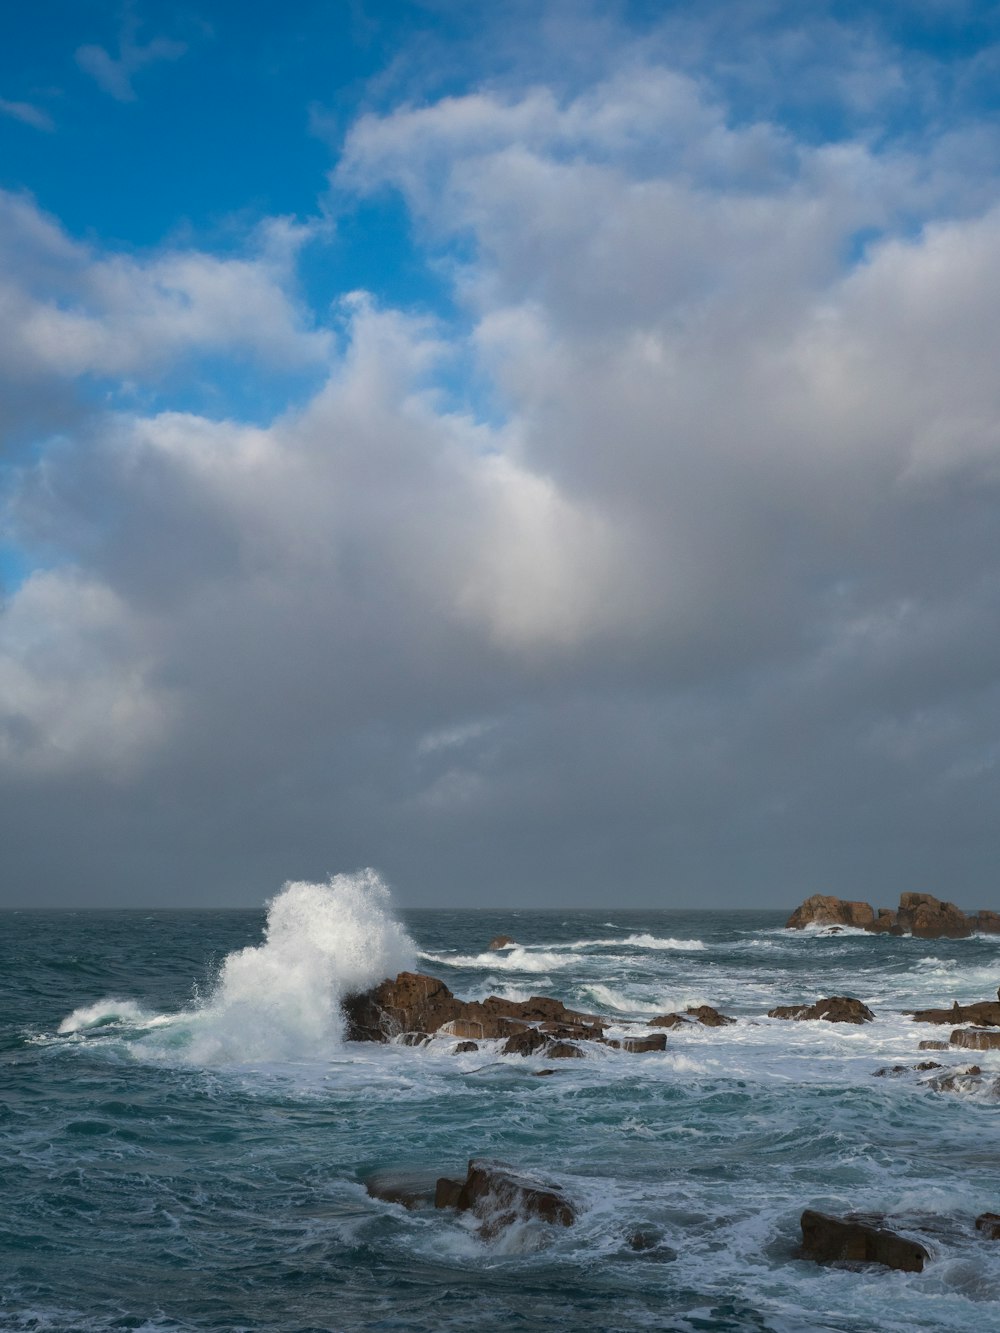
<point x="828" y="1239"/>
<point x="836" y="1009"/>
<point x="975" y="1039"/>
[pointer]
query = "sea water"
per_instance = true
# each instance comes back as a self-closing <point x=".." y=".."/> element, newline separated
<point x="185" y="1134"/>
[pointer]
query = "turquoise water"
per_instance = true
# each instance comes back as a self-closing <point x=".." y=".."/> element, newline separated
<point x="184" y="1139"/>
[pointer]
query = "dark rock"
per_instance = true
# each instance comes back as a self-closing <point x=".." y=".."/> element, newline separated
<point x="895" y="1071"/>
<point x="562" y="1050"/>
<point x="415" y="1002"/>
<point x="985" y="1013"/>
<point x="710" y="1017"/>
<point x="928" y="1064"/>
<point x="465" y="1047"/>
<point x="544" y="1073"/>
<point x="932" y="1045"/>
<point x="525" y="1043"/>
<point x="824" y="910"/>
<point x="885" y="923"/>
<point x="976" y="1039"/>
<point x="836" y="1009"/>
<point x="668" y="1021"/>
<point x="500" y="942"/>
<point x="412" y="1189"/>
<point x="959" y="1080"/>
<point x="498" y="1195"/>
<point x="838" y="1239"/>
<point x="447" y="1192"/>
<point x="989" y="1225"/>
<point x="640" y="1045"/>
<point x="414" y="1038"/>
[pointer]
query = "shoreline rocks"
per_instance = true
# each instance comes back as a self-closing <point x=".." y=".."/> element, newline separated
<point x="919" y="914"/>
<point x="836" y="1009"/>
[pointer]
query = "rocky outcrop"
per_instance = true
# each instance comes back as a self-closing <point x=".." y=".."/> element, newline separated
<point x="824" y="910"/>
<point x="500" y="942"/>
<point x="704" y="1014"/>
<point x="919" y="914"/>
<point x="985" y="1013"/>
<point x="976" y="1039"/>
<point x="989" y="1225"/>
<point x="837" y="1009"/>
<point x="498" y="1196"/>
<point x="413" y="1002"/>
<point x="858" y="1240"/>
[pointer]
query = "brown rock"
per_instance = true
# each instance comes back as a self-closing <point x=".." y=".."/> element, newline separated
<point x="824" y="910"/>
<point x="562" y="1050"/>
<point x="989" y="1225"/>
<point x="932" y="1045"/>
<point x="976" y="1039"/>
<point x="837" y="1239"/>
<point x="837" y="1009"/>
<point x="959" y="1080"/>
<point x="465" y="1047"/>
<point x="885" y="923"/>
<point x="668" y="1021"/>
<point x="928" y="918"/>
<point x="987" y="923"/>
<point x="710" y="1017"/>
<point x="414" y="1038"/>
<point x="985" y="1013"/>
<point x="500" y="942"/>
<point x="447" y="1192"/>
<point x="499" y="1195"/>
<point x="657" y="1041"/>
<point x="525" y="1043"/>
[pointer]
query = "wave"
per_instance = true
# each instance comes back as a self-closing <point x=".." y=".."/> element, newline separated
<point x="281" y="1000"/>
<point x="513" y="959"/>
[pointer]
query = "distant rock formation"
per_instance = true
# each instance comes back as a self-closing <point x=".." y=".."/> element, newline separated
<point x="837" y="1009"/>
<point x="500" y="942"/>
<point x="918" y="914"/>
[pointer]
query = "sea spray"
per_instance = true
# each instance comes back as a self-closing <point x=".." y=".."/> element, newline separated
<point x="280" y="1000"/>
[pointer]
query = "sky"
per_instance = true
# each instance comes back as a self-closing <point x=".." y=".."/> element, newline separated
<point x="549" y="452"/>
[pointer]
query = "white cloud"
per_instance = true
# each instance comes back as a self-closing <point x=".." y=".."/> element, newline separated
<point x="115" y="74"/>
<point x="29" y="114"/>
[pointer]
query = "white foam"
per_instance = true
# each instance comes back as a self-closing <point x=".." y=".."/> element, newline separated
<point x="280" y="1000"/>
<point x="106" y="1013"/>
<point x="515" y="959"/>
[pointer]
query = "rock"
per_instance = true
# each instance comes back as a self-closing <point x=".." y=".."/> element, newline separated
<point x="710" y="1017"/>
<point x="562" y="1050"/>
<point x="640" y="1045"/>
<point x="412" y="1189"/>
<point x="932" y="1045"/>
<point x="927" y="1064"/>
<point x="544" y="1073"/>
<point x="499" y="1195"/>
<point x="985" y="1013"/>
<point x="500" y="942"/>
<point x="989" y="1225"/>
<point x="414" y="1038"/>
<point x="894" y="1071"/>
<point x="824" y="910"/>
<point x="466" y="1047"/>
<point x="885" y="923"/>
<point x="413" y="1001"/>
<point x="959" y="1080"/>
<point x="525" y="1043"/>
<point x="837" y="1009"/>
<point x="975" y="1039"/>
<point x="837" y="1239"/>
<point x="668" y="1021"/>
<point x="928" y="918"/>
<point x="987" y="923"/>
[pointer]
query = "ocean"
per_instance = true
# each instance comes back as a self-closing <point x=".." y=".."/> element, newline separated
<point x="185" y="1135"/>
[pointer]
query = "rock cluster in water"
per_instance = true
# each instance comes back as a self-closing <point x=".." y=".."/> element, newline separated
<point x="919" y="914"/>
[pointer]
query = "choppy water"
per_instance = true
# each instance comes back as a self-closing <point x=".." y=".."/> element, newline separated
<point x="184" y="1134"/>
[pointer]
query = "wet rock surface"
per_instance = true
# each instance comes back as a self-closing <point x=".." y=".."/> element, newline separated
<point x="499" y="1195"/>
<point x="975" y="1039"/>
<point x="984" y="1013"/>
<point x="989" y="1225"/>
<point x="859" y="1239"/>
<point x="836" y="1009"/>
<point x="825" y="910"/>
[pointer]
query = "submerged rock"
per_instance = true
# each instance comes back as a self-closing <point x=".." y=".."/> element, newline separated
<point x="836" y="1009"/>
<point x="989" y="1225"/>
<point x="500" y="942"/>
<point x="466" y="1047"/>
<point x="411" y="1188"/>
<point x="858" y="1240"/>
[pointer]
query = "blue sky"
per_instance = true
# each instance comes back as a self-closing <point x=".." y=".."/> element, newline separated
<point x="545" y="447"/>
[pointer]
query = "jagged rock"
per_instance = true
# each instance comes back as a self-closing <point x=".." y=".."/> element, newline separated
<point x="562" y="1050"/>
<point x="885" y="923"/>
<point x="668" y="1021"/>
<point x="525" y="1043"/>
<point x="985" y="1013"/>
<point x="975" y="1039"/>
<point x="498" y="1195"/>
<point x="989" y="1225"/>
<point x="928" y="918"/>
<point x="895" y="1071"/>
<point x="837" y="1009"/>
<point x="932" y="1045"/>
<point x="500" y="942"/>
<point x="465" y="1047"/>
<point x="824" y="910"/>
<point x="837" y="1239"/>
<point x="710" y="1017"/>
<point x="415" y="1002"/>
